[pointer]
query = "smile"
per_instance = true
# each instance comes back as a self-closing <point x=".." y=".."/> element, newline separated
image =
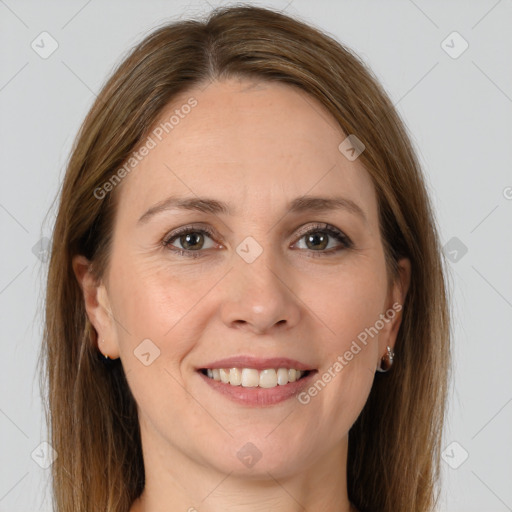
<point x="251" y="377"/>
<point x="251" y="390"/>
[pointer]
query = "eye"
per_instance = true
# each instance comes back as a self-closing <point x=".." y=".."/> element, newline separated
<point x="317" y="239"/>
<point x="191" y="240"/>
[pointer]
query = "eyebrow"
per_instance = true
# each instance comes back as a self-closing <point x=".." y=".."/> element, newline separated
<point x="215" y="207"/>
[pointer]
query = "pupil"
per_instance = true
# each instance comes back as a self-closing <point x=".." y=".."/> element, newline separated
<point x="322" y="239"/>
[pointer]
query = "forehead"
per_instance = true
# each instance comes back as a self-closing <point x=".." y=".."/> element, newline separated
<point x="243" y="141"/>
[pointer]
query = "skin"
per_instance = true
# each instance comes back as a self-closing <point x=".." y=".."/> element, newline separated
<point x="257" y="147"/>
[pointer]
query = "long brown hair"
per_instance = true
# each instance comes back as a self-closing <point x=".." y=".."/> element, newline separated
<point x="394" y="446"/>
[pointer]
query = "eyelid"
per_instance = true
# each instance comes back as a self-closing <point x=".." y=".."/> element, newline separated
<point x="186" y="229"/>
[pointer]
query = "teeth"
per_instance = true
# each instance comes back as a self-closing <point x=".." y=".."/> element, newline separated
<point x="282" y="376"/>
<point x="235" y="377"/>
<point x="224" y="375"/>
<point x="251" y="378"/>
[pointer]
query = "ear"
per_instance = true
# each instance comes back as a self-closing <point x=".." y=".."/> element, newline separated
<point x="393" y="315"/>
<point x="97" y="306"/>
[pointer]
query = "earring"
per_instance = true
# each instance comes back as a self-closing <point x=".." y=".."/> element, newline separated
<point x="386" y="361"/>
<point x="104" y="355"/>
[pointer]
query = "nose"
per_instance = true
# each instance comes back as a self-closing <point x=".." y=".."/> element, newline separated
<point x="259" y="297"/>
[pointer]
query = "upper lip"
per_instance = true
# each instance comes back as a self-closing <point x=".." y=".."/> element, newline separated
<point x="257" y="363"/>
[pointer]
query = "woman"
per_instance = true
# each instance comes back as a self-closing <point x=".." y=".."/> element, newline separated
<point x="246" y="306"/>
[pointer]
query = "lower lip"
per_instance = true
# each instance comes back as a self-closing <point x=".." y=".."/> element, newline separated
<point x="259" y="397"/>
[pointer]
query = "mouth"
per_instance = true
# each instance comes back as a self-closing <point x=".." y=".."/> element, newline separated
<point x="254" y="378"/>
<point x="257" y="388"/>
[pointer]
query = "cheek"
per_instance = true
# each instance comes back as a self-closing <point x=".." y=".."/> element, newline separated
<point x="155" y="315"/>
<point x="349" y="302"/>
<point x="164" y="304"/>
<point x="350" y="305"/>
<point x="143" y="315"/>
<point x="153" y="298"/>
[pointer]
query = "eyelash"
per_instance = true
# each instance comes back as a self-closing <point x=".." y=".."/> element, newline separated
<point x="325" y="228"/>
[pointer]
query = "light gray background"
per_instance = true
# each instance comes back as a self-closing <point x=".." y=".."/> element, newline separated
<point x="458" y="112"/>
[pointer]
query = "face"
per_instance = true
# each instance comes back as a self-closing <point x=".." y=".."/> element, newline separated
<point x="275" y="273"/>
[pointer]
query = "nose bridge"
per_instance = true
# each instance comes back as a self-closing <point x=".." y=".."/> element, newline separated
<point x="259" y="296"/>
<point x="261" y="275"/>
